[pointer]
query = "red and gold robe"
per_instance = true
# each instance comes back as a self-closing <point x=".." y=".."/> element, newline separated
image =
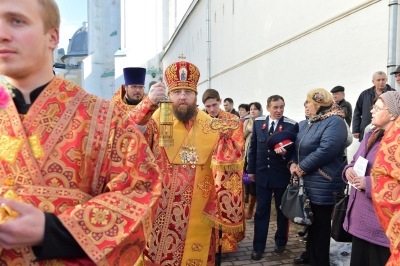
<point x="386" y="189"/>
<point x="140" y="113"/>
<point x="72" y="155"/>
<point x="201" y="191"/>
<point x="230" y="240"/>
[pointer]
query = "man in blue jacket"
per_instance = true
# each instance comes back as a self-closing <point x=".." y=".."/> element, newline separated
<point x="268" y="168"/>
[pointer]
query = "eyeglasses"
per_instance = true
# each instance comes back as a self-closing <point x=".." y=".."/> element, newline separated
<point x="178" y="93"/>
<point x="135" y="87"/>
<point x="376" y="108"/>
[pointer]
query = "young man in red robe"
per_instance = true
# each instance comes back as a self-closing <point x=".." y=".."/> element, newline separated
<point x="84" y="181"/>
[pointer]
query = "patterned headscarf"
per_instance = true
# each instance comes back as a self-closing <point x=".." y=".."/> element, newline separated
<point x="392" y="101"/>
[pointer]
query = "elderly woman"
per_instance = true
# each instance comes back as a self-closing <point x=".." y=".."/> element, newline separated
<point x="370" y="243"/>
<point x="385" y="183"/>
<point x="255" y="111"/>
<point x="318" y="158"/>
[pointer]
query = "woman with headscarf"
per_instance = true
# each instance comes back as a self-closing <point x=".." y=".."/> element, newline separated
<point x="385" y="175"/>
<point x="318" y="158"/>
<point x="370" y="243"/>
<point x="255" y="111"/>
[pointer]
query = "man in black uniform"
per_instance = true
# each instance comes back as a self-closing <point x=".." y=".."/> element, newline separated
<point x="268" y="168"/>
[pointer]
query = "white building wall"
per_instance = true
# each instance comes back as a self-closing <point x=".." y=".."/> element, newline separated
<point x="346" y="52"/>
<point x="191" y="41"/>
<point x="104" y="19"/>
<point x="111" y="24"/>
<point x="255" y="52"/>
<point x="260" y="48"/>
<point x="91" y="81"/>
<point x="141" y="35"/>
<point x="142" y="22"/>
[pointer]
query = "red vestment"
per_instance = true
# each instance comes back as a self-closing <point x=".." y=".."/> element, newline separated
<point x="74" y="155"/>
<point x="201" y="192"/>
<point x="140" y="113"/>
<point x="386" y="189"/>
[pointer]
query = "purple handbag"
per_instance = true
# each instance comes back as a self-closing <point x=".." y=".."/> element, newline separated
<point x="246" y="179"/>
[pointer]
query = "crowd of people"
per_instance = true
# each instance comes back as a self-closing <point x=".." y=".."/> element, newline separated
<point x="86" y="181"/>
<point x="319" y="156"/>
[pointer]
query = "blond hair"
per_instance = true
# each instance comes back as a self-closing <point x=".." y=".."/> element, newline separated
<point x="50" y="14"/>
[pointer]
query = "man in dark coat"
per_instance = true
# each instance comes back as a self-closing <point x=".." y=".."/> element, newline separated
<point x="396" y="74"/>
<point x="268" y="168"/>
<point x="362" y="111"/>
<point x="228" y="106"/>
<point x="338" y="97"/>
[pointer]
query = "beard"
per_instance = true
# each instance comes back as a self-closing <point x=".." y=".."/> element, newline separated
<point x="132" y="101"/>
<point x="185" y="113"/>
<point x="135" y="102"/>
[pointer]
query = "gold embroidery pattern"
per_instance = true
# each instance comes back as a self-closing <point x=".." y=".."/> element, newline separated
<point x="196" y="247"/>
<point x="206" y="126"/>
<point x="193" y="262"/>
<point x="159" y="249"/>
<point x="37" y="149"/>
<point x="121" y="204"/>
<point x="194" y="73"/>
<point x="96" y="254"/>
<point x="388" y="193"/>
<point x="225" y="124"/>
<point x="393" y="230"/>
<point x="40" y="102"/>
<point x="227" y="242"/>
<point x="50" y="192"/>
<point x="206" y="186"/>
<point x="170" y="72"/>
<point x="234" y="184"/>
<point x="97" y="126"/>
<point x="99" y="216"/>
<point x="9" y="148"/>
<point x="58" y="126"/>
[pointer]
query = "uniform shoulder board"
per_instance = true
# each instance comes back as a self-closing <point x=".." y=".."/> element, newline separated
<point x="288" y="120"/>
<point x="263" y="117"/>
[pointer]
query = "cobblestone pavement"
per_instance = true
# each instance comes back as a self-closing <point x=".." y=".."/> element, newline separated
<point x="294" y="247"/>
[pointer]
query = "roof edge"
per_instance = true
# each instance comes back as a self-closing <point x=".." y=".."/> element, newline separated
<point x="177" y="30"/>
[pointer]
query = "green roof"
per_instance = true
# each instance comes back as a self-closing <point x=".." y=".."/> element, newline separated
<point x="108" y="74"/>
<point x="151" y="71"/>
<point x="121" y="52"/>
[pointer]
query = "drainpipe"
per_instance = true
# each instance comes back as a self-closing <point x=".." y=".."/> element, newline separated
<point x="208" y="10"/>
<point x="391" y="63"/>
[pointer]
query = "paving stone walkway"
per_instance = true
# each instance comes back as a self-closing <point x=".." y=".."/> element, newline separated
<point x="294" y="247"/>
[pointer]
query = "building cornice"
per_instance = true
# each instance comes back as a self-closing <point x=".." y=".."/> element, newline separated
<point x="178" y="29"/>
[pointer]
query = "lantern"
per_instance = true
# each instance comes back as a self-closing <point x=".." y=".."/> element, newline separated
<point x="166" y="123"/>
